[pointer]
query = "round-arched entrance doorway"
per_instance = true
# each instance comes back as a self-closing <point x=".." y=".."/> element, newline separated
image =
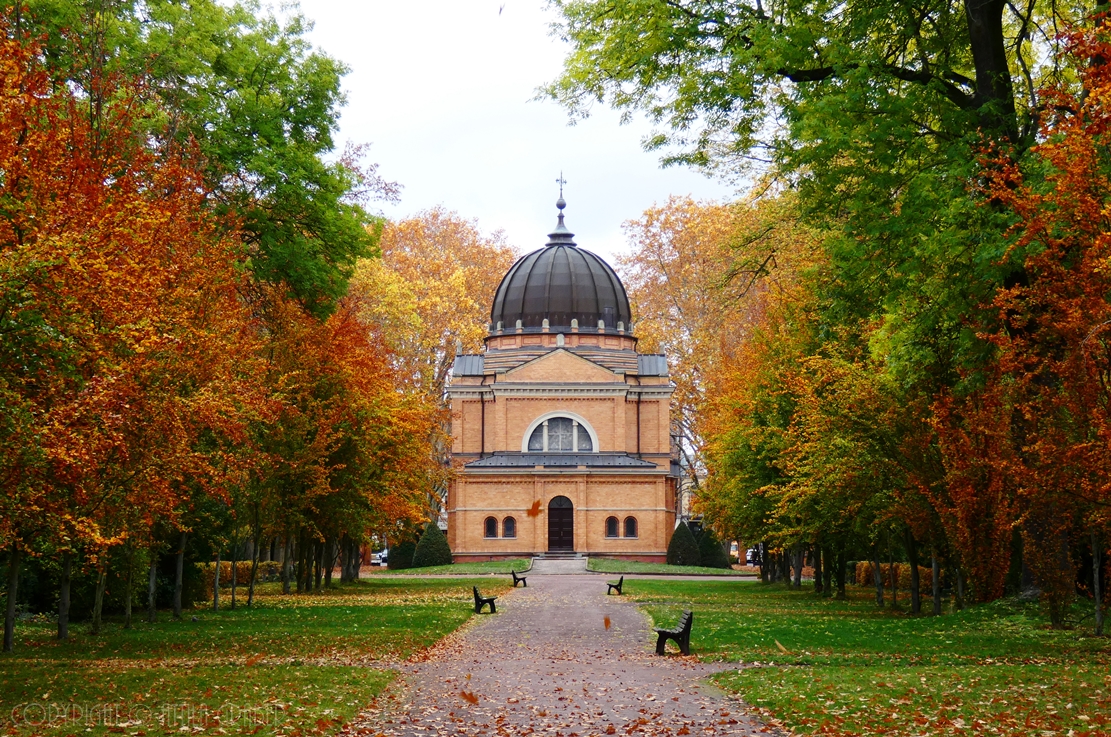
<point x="561" y="525"/>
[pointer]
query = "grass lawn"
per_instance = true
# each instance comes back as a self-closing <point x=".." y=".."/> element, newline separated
<point x="292" y="665"/>
<point x="464" y="569"/>
<point x="611" y="565"/>
<point x="843" y="668"/>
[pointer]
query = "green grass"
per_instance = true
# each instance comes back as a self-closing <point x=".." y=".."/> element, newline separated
<point x="612" y="565"/>
<point x="293" y="664"/>
<point x="461" y="569"/>
<point x="845" y="668"/>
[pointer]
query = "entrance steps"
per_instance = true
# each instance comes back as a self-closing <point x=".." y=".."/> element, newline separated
<point x="549" y="564"/>
<point x="558" y="556"/>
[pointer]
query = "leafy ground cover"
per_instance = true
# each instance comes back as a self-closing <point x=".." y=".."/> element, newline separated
<point x="292" y="665"/>
<point x="843" y="668"/>
<point x="611" y="565"/>
<point x="459" y="569"/>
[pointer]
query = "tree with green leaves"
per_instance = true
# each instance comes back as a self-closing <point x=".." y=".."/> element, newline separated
<point x="262" y="104"/>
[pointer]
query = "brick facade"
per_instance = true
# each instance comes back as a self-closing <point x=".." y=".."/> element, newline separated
<point x="591" y="382"/>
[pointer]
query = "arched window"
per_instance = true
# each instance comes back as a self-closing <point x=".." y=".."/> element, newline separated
<point x="611" y="527"/>
<point x="630" y="527"/>
<point x="491" y="527"/>
<point x="560" y="435"/>
<point x="509" y="527"/>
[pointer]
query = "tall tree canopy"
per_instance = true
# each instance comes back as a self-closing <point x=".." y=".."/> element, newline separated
<point x="263" y="106"/>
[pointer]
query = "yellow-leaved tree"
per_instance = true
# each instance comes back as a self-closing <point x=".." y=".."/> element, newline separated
<point x="430" y="291"/>
<point x="694" y="276"/>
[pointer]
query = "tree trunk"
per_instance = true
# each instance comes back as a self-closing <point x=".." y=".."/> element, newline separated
<point x="764" y="577"/>
<point x="63" y="597"/>
<point x="915" y="589"/>
<point x="216" y="582"/>
<point x="994" y="93"/>
<point x="841" y="567"/>
<point x="318" y="565"/>
<point x="329" y="561"/>
<point x="127" y="595"/>
<point x="960" y="588"/>
<point x="152" y="582"/>
<point x="935" y="570"/>
<point x="800" y="555"/>
<point x="98" y="599"/>
<point x="877" y="575"/>
<point x="1097" y="591"/>
<point x="234" y="563"/>
<point x="894" y="576"/>
<point x="254" y="565"/>
<point x="344" y="558"/>
<point x="179" y="573"/>
<point x="827" y="571"/>
<point x="14" y="563"/>
<point x="356" y="560"/>
<point x="286" y="554"/>
<point x="817" y="569"/>
<point x="300" y="571"/>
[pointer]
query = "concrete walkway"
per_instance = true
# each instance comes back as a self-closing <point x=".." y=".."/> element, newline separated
<point x="559" y="658"/>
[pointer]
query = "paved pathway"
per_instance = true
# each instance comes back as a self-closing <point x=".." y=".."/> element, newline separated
<point x="559" y="658"/>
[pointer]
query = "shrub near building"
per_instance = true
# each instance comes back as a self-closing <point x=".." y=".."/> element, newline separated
<point x="432" y="549"/>
<point x="683" y="548"/>
<point x="711" y="550"/>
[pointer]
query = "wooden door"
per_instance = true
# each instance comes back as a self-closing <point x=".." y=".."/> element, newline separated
<point x="561" y="525"/>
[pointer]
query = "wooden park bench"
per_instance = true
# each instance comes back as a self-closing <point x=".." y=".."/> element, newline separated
<point x="519" y="579"/>
<point x="615" y="586"/>
<point x="681" y="633"/>
<point x="481" y="601"/>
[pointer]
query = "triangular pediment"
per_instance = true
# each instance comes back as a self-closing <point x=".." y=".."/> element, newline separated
<point x="561" y="366"/>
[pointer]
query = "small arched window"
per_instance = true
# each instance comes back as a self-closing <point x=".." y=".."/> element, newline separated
<point x="611" y="527"/>
<point x="560" y="435"/>
<point x="491" y="527"/>
<point x="509" y="527"/>
<point x="630" y="527"/>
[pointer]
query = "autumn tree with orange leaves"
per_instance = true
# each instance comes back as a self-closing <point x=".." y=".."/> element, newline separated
<point x="126" y="353"/>
<point x="159" y="396"/>
<point x="694" y="274"/>
<point x="428" y="296"/>
<point x="1052" y="388"/>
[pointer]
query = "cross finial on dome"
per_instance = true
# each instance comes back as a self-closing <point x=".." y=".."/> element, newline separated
<point x="561" y="236"/>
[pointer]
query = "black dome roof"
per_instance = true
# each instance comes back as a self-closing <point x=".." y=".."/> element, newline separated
<point x="560" y="283"/>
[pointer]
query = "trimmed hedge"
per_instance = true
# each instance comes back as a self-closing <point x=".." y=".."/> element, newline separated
<point x="683" y="548"/>
<point x="401" y="555"/>
<point x="712" y="551"/>
<point x="432" y="549"/>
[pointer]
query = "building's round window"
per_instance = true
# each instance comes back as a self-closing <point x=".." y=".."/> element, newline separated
<point x="560" y="435"/>
<point x="509" y="527"/>
<point x="491" y="526"/>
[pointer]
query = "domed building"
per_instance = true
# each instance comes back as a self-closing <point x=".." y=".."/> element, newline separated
<point x="560" y="429"/>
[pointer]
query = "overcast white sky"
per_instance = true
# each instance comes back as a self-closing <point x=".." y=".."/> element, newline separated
<point x="444" y="91"/>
